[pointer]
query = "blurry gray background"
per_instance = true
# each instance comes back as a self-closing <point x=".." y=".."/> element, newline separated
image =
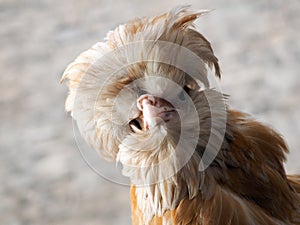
<point x="43" y="178"/>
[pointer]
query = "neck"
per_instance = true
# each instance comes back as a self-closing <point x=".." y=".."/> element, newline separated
<point x="163" y="173"/>
<point x="157" y="198"/>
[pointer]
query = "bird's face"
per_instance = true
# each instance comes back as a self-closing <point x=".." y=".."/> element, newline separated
<point x="138" y="97"/>
<point x="157" y="112"/>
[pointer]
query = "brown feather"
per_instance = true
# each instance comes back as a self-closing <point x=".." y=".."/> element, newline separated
<point x="244" y="184"/>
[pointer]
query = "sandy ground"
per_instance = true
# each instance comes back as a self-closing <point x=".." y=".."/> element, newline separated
<point x="44" y="179"/>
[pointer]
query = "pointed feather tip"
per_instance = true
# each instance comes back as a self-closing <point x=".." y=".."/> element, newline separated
<point x="185" y="8"/>
<point x="203" y="12"/>
<point x="62" y="79"/>
<point x="64" y="75"/>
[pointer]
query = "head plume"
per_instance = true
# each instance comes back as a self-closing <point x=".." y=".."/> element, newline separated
<point x="132" y="51"/>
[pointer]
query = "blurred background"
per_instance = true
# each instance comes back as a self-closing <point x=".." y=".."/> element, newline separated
<point x="43" y="178"/>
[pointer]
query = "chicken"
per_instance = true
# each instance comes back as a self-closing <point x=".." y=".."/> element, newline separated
<point x="142" y="98"/>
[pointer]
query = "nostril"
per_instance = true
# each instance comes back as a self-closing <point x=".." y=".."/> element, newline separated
<point x="151" y="99"/>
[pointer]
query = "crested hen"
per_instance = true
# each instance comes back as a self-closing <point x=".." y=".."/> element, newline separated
<point x="142" y="98"/>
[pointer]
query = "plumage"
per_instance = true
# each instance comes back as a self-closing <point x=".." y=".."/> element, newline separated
<point x="142" y="98"/>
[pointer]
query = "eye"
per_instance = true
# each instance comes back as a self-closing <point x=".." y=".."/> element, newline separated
<point x="181" y="95"/>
